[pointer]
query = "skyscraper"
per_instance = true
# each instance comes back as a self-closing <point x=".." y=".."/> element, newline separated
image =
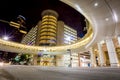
<point x="50" y="32"/>
<point x="48" y="28"/>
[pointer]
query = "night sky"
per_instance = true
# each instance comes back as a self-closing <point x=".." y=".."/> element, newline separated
<point x="31" y="10"/>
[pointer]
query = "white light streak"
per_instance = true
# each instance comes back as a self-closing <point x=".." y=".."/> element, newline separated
<point x="78" y="8"/>
<point x="115" y="17"/>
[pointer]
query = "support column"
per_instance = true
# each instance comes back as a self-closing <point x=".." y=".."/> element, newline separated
<point x="35" y="57"/>
<point x="101" y="55"/>
<point x="69" y="52"/>
<point x="92" y="57"/>
<point x="112" y="53"/>
<point x="79" y="59"/>
<point x="118" y="39"/>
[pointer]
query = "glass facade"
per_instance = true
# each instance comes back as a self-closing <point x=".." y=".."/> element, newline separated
<point x="30" y="38"/>
<point x="49" y="32"/>
<point x="71" y="34"/>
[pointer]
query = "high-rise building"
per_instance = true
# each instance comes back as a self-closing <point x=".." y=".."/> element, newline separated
<point x="50" y="32"/>
<point x="30" y="37"/>
<point x="65" y="34"/>
<point x="48" y="28"/>
<point x="70" y="35"/>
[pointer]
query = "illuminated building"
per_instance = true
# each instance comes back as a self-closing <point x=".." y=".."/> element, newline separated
<point x="48" y="28"/>
<point x="30" y="38"/>
<point x="103" y="29"/>
<point x="50" y="32"/>
<point x="71" y="34"/>
<point x="65" y="34"/>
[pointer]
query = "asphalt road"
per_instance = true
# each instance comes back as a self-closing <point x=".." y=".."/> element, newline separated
<point x="5" y="75"/>
<point x="57" y="73"/>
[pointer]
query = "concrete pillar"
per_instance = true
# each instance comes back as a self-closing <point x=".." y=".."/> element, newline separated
<point x="101" y="55"/>
<point x="35" y="57"/>
<point x="112" y="53"/>
<point x="79" y="59"/>
<point x="93" y="58"/>
<point x="118" y="39"/>
<point x="60" y="60"/>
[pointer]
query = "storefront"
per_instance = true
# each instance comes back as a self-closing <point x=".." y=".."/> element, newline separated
<point x="47" y="60"/>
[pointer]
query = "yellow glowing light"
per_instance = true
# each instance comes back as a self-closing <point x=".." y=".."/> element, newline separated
<point x="17" y="47"/>
<point x="22" y="31"/>
<point x="14" y="24"/>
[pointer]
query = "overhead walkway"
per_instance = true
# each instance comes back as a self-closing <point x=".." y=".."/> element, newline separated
<point x="103" y="15"/>
<point x="22" y="48"/>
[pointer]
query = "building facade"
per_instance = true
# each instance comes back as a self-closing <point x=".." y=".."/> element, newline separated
<point x="30" y="37"/>
<point x="50" y="32"/>
<point x="65" y="34"/>
<point x="48" y="28"/>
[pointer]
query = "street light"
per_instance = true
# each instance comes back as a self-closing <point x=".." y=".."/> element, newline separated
<point x="5" y="37"/>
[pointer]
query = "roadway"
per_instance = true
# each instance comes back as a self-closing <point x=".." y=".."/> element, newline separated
<point x="57" y="73"/>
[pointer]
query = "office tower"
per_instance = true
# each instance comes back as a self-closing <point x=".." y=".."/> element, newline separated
<point x="30" y="37"/>
<point x="48" y="28"/>
<point x="65" y="34"/>
<point x="70" y="35"/>
<point x="50" y="32"/>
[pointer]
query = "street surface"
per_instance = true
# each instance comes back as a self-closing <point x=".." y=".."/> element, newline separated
<point x="57" y="73"/>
